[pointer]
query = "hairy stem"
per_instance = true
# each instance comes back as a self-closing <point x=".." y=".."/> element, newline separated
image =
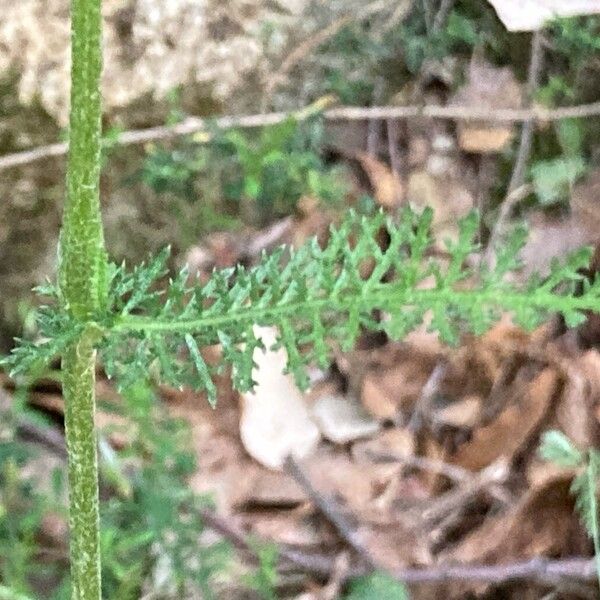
<point x="78" y="390"/>
<point x="82" y="282"/>
<point x="83" y="263"/>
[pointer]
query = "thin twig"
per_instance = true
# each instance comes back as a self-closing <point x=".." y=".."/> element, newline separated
<point x="331" y="512"/>
<point x="442" y="15"/>
<point x="428" y="15"/>
<point x="51" y="438"/>
<point x="393" y="137"/>
<point x="422" y="409"/>
<point x="463" y="113"/>
<point x="333" y="589"/>
<point x="467" y="480"/>
<point x="195" y="125"/>
<point x="459" y="497"/>
<point x="453" y="472"/>
<point x="374" y="125"/>
<point x="506" y="209"/>
<point x="533" y="81"/>
<point x="538" y="569"/>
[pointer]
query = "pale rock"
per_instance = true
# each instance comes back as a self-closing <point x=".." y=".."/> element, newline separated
<point x="341" y="419"/>
<point x="531" y="15"/>
<point x="275" y="420"/>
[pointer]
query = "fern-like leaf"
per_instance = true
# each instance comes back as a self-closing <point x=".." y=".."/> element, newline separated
<point x="584" y="487"/>
<point x="557" y="448"/>
<point x="318" y="298"/>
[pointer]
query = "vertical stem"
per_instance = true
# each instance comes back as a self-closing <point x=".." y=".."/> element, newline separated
<point x="82" y="280"/>
<point x="533" y="80"/>
<point x="82" y="269"/>
<point x="78" y="389"/>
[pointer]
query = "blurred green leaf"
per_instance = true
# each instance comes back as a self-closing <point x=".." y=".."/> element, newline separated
<point x="553" y="178"/>
<point x="377" y="586"/>
<point x="557" y="448"/>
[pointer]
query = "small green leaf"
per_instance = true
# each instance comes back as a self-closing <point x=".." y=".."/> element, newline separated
<point x="202" y="368"/>
<point x="553" y="178"/>
<point x="570" y="136"/>
<point x="251" y="187"/>
<point x="556" y="447"/>
<point x="377" y="586"/>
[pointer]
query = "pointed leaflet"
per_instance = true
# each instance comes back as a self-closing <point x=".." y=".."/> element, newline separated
<point x="202" y="369"/>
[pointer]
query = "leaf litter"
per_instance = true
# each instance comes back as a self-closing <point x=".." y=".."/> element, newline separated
<point x="461" y="484"/>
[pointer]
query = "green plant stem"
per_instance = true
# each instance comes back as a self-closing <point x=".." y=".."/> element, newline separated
<point x="82" y="257"/>
<point x="82" y="282"/>
<point x="78" y="390"/>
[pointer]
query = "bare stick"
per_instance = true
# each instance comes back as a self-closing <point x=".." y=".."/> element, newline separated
<point x="195" y="125"/>
<point x="533" y="82"/>
<point x="330" y="511"/>
<point x="537" y="569"/>
<point x="422" y="409"/>
<point x="453" y="472"/>
<point x="392" y="137"/>
<point x="463" y="113"/>
<point x="339" y="574"/>
<point x="428" y="14"/>
<point x="374" y="125"/>
<point x="459" y="497"/>
<point x="506" y="210"/>
<point x="442" y="15"/>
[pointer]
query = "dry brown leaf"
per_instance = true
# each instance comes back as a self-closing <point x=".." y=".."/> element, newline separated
<point x="355" y="484"/>
<point x="540" y="471"/>
<point x="394" y="546"/>
<point x="575" y="411"/>
<point x="543" y="523"/>
<point x="397" y="441"/>
<point x="391" y="382"/>
<point x="313" y="221"/>
<point x="484" y="140"/>
<point x="285" y="527"/>
<point x="275" y="420"/>
<point x="224" y="469"/>
<point x="465" y="413"/>
<point x="589" y="364"/>
<point x="473" y="369"/>
<point x="273" y="489"/>
<point x="388" y="188"/>
<point x="510" y="431"/>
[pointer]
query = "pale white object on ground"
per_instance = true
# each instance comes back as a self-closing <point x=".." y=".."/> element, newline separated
<point x="275" y="420"/>
<point x="531" y="15"/>
<point x="342" y="419"/>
